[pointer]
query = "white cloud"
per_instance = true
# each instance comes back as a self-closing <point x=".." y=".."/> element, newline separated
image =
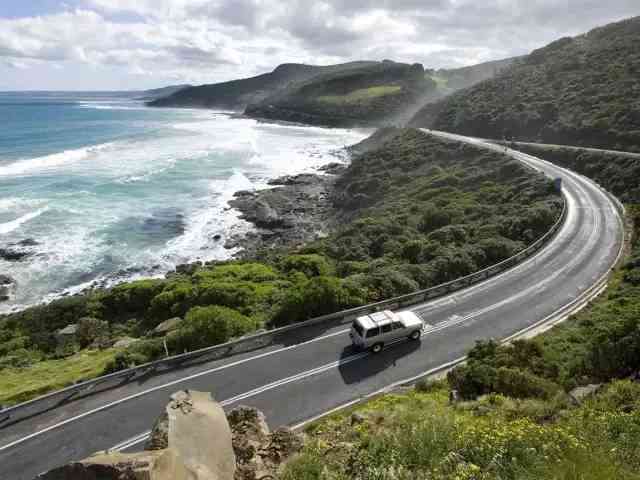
<point x="213" y="40"/>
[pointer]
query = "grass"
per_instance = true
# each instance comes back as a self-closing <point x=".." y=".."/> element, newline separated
<point x="361" y="94"/>
<point x="442" y="83"/>
<point x="21" y="384"/>
<point x="420" y="436"/>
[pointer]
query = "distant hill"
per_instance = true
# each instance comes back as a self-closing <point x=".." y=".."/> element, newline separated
<point x="450" y="80"/>
<point x="368" y="94"/>
<point x="579" y="91"/>
<point x="149" y="95"/>
<point x="237" y="94"/>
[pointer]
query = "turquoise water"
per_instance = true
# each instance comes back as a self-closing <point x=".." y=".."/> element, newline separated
<point x="111" y="190"/>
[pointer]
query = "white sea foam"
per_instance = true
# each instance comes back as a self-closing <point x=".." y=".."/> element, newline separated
<point x="47" y="162"/>
<point x="18" y="222"/>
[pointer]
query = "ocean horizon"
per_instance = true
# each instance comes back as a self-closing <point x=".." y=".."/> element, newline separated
<point x="97" y="188"/>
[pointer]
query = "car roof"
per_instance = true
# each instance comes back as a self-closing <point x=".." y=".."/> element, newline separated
<point x="376" y="319"/>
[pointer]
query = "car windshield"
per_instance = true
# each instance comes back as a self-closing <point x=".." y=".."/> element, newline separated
<point x="358" y="328"/>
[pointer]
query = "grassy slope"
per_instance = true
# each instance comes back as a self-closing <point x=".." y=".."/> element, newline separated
<point x="415" y="211"/>
<point x="356" y="96"/>
<point x="418" y="435"/>
<point x="236" y="94"/>
<point x="576" y="91"/>
<point x="306" y="101"/>
<point x="20" y="384"/>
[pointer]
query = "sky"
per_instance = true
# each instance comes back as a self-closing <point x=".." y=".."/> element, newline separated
<point x="139" y="44"/>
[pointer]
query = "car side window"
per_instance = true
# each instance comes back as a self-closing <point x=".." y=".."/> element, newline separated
<point x="386" y="328"/>
<point x="373" y="332"/>
<point x="397" y="325"/>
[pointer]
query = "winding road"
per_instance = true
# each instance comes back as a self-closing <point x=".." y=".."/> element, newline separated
<point x="294" y="382"/>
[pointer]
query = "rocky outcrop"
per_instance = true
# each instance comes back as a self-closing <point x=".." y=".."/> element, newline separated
<point x="579" y="394"/>
<point x="190" y="441"/>
<point x="193" y="439"/>
<point x="291" y="214"/>
<point x="6" y="285"/>
<point x="158" y="465"/>
<point x="260" y="454"/>
<point x="18" y="251"/>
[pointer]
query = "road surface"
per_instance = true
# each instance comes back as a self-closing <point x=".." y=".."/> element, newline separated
<point x="294" y="382"/>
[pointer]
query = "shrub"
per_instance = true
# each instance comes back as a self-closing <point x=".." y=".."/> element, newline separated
<point x="207" y="326"/>
<point x="318" y="296"/>
<point x="312" y="265"/>
<point x="92" y="330"/>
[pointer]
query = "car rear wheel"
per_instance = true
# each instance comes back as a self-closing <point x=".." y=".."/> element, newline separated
<point x="377" y="348"/>
<point x="415" y="335"/>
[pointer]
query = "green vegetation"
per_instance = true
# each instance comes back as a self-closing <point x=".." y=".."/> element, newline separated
<point x="361" y="94"/>
<point x="420" y="436"/>
<point x="373" y="94"/>
<point x="617" y="172"/>
<point x="516" y="420"/>
<point x="237" y="94"/>
<point x="575" y="91"/>
<point x="19" y="384"/>
<point x="413" y="212"/>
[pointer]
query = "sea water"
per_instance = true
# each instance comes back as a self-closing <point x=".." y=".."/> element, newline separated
<point x="110" y="190"/>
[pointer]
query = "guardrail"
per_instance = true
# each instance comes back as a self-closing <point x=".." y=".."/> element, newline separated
<point x="272" y="337"/>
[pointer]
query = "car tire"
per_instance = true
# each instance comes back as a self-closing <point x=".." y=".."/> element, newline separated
<point x="415" y="335"/>
<point x="377" y="347"/>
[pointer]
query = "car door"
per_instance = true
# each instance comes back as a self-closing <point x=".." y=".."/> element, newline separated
<point x="398" y="330"/>
<point x="386" y="332"/>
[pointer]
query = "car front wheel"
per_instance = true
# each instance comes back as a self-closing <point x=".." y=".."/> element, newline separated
<point x="377" y="348"/>
<point x="415" y="335"/>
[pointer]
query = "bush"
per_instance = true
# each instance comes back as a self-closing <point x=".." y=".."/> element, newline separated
<point x="312" y="265"/>
<point x="92" y="330"/>
<point x="316" y="297"/>
<point x="522" y="384"/>
<point x="207" y="326"/>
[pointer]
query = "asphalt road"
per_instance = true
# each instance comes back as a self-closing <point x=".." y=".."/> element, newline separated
<point x="295" y="382"/>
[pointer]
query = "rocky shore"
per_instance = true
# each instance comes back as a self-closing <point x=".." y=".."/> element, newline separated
<point x="298" y="209"/>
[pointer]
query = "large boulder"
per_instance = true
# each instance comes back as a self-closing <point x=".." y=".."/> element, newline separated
<point x="158" y="465"/>
<point x="191" y="440"/>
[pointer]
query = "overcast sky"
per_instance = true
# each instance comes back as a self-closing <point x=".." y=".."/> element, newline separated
<point x="137" y="44"/>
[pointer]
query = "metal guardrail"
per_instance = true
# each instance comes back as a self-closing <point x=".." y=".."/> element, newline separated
<point x="272" y="337"/>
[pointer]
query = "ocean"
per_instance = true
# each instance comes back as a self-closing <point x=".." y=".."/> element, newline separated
<point x="96" y="187"/>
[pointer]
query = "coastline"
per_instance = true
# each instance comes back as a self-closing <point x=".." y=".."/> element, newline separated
<point x="244" y="235"/>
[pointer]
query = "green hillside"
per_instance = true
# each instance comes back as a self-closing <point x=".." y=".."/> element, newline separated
<point x="579" y="91"/>
<point x="372" y="94"/>
<point x="237" y="94"/>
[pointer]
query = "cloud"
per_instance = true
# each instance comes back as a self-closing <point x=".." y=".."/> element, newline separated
<point x="213" y="40"/>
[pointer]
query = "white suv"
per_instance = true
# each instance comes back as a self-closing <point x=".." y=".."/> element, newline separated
<point x="373" y="331"/>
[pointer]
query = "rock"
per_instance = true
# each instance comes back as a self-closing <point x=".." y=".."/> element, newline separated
<point x="259" y="453"/>
<point x="159" y="436"/>
<point x="125" y="342"/>
<point x="190" y="441"/>
<point x="333" y="168"/>
<point x="166" y="327"/>
<point x="300" y="179"/>
<point x="6" y="280"/>
<point x="357" y="418"/>
<point x="579" y="394"/>
<point x="188" y="268"/>
<point x="14" y="254"/>
<point x="27" y="242"/>
<point x="217" y="237"/>
<point x="158" y="465"/>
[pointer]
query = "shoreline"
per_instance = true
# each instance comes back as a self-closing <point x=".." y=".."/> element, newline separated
<point x="301" y="200"/>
